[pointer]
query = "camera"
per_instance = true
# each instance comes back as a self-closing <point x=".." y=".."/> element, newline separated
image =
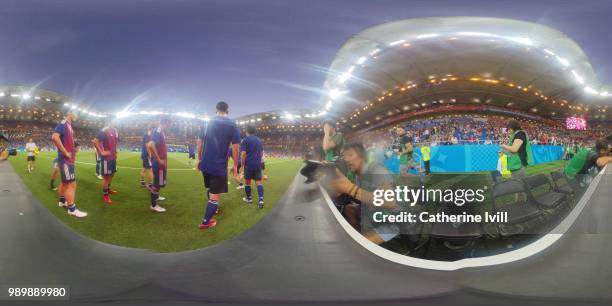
<point x="313" y="170"/>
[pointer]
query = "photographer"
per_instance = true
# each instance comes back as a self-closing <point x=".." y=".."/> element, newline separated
<point x="578" y="168"/>
<point x="333" y="141"/>
<point x="368" y="177"/>
<point x="518" y="148"/>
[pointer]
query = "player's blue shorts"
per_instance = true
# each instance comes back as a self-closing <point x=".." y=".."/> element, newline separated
<point x="67" y="172"/>
<point x="146" y="163"/>
<point x="252" y="175"/>
<point x="108" y="167"/>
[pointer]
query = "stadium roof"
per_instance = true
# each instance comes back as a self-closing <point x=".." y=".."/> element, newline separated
<point x="297" y="115"/>
<point x="45" y="99"/>
<point x="417" y="63"/>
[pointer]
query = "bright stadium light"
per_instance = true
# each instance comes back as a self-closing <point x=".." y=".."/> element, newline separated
<point x="15" y="96"/>
<point x="335" y="93"/>
<point x="430" y="35"/>
<point x="2" y="93"/>
<point x="26" y="96"/>
<point x="397" y="42"/>
<point x="590" y="90"/>
<point x="563" y="61"/>
<point x="362" y="60"/>
<point x="578" y="78"/>
<point x="185" y="115"/>
<point x="73" y="107"/>
<point x="123" y="114"/>
<point x="522" y="40"/>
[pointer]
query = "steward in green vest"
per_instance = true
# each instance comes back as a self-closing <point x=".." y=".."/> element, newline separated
<point x="518" y="147"/>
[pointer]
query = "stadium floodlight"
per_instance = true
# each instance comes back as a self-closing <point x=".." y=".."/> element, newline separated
<point x="73" y="106"/>
<point x="397" y="42"/>
<point x="185" y="115"/>
<point x="430" y="35"/>
<point x="344" y="77"/>
<point x="26" y="96"/>
<point x="2" y="94"/>
<point x="37" y="98"/>
<point x="335" y="93"/>
<point x="374" y="52"/>
<point x="578" y="78"/>
<point x="15" y="96"/>
<point x="563" y="61"/>
<point x="590" y="90"/>
<point x="362" y="60"/>
<point x="477" y="34"/>
<point x="522" y="40"/>
<point x="123" y="114"/>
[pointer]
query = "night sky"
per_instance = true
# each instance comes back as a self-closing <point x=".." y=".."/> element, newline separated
<point x="257" y="55"/>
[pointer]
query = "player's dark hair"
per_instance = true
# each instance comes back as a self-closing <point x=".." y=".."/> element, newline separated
<point x="601" y="144"/>
<point x="250" y="129"/>
<point x="222" y="107"/>
<point x="357" y="147"/>
<point x="514" y="125"/>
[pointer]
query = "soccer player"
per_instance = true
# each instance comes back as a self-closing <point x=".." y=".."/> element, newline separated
<point x="191" y="151"/>
<point x="238" y="178"/>
<point x="98" y="164"/>
<point x="251" y="152"/>
<point x="213" y="142"/>
<point x="106" y="146"/>
<point x="30" y="149"/>
<point x="66" y="157"/>
<point x="146" y="174"/>
<point x="54" y="174"/>
<point x="158" y="152"/>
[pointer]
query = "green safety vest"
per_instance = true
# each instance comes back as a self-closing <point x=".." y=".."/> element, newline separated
<point x="514" y="160"/>
<point x="338" y="139"/>
<point x="576" y="163"/>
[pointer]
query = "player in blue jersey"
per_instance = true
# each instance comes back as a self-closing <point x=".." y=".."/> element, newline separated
<point x="146" y="175"/>
<point x="213" y="142"/>
<point x="191" y="151"/>
<point x="251" y="154"/>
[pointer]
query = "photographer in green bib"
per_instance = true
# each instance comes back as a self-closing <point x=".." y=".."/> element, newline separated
<point x="518" y="148"/>
<point x="587" y="161"/>
<point x="333" y="141"/>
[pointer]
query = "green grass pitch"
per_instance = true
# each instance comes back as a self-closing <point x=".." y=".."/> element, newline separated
<point x="129" y="222"/>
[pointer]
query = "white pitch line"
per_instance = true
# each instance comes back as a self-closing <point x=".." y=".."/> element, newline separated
<point x="177" y="169"/>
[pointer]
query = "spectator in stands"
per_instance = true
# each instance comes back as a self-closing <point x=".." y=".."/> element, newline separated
<point x="368" y="177"/>
<point x="333" y="141"/>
